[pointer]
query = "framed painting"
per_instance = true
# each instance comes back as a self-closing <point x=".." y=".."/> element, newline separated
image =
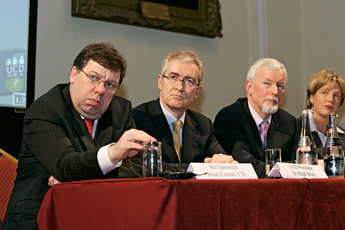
<point x="197" y="17"/>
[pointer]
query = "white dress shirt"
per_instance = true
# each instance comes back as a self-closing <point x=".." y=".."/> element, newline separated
<point x="257" y="118"/>
<point x="171" y="118"/>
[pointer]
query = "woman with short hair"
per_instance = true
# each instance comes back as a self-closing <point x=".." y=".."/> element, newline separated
<point x="325" y="94"/>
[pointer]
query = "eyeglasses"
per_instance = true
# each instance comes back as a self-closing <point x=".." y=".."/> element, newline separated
<point x="188" y="82"/>
<point x="109" y="86"/>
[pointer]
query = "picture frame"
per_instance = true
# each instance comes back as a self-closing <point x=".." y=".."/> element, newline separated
<point x="205" y="20"/>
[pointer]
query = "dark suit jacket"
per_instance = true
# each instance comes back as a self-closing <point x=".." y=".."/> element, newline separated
<point x="237" y="132"/>
<point x="317" y="140"/>
<point x="56" y="142"/>
<point x="198" y="143"/>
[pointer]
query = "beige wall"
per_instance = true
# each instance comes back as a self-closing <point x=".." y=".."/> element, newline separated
<point x="305" y="35"/>
<point x="283" y="36"/>
<point x="323" y="39"/>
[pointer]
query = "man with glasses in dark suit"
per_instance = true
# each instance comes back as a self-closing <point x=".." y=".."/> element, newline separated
<point x="186" y="136"/>
<point x="76" y="131"/>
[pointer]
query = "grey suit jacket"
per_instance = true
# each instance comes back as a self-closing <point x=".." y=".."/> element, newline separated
<point x="237" y="132"/>
<point x="56" y="142"/>
<point x="199" y="141"/>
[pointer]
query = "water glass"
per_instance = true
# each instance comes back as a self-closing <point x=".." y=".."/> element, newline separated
<point x="272" y="156"/>
<point x="152" y="159"/>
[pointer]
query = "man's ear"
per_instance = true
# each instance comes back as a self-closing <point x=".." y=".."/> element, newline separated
<point x="198" y="91"/>
<point x="160" y="82"/>
<point x="73" y="74"/>
<point x="249" y="87"/>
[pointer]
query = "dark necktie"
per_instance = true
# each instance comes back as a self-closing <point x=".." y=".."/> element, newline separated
<point x="263" y="132"/>
<point x="89" y="124"/>
<point x="176" y="138"/>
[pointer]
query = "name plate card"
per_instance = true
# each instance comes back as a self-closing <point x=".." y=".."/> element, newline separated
<point x="222" y="171"/>
<point x="297" y="171"/>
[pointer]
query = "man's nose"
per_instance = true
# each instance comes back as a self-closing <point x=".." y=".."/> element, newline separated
<point x="179" y="84"/>
<point x="100" y="88"/>
<point x="274" y="89"/>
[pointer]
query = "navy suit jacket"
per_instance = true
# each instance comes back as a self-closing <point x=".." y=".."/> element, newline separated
<point x="56" y="142"/>
<point x="237" y="132"/>
<point x="198" y="143"/>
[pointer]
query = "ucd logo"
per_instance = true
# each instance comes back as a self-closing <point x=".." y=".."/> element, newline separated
<point x="15" y="69"/>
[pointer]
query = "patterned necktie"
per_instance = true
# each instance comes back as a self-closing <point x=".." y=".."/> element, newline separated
<point x="89" y="124"/>
<point x="176" y="138"/>
<point x="263" y="132"/>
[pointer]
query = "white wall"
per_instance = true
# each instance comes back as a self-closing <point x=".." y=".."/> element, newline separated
<point x="323" y="39"/>
<point x="60" y="37"/>
<point x="291" y="29"/>
<point x="283" y="37"/>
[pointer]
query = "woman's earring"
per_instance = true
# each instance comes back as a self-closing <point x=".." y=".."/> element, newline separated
<point x="312" y="110"/>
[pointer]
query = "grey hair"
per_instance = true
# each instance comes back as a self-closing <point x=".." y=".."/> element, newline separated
<point x="184" y="56"/>
<point x="267" y="63"/>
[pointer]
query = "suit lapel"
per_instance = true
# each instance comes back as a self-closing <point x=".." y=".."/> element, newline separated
<point x="274" y="135"/>
<point x="162" y="131"/>
<point x="318" y="144"/>
<point x="77" y="122"/>
<point x="104" y="132"/>
<point x="252" y="132"/>
<point x="191" y="138"/>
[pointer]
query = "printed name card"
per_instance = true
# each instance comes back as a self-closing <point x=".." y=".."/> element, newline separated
<point x="222" y="171"/>
<point x="287" y="170"/>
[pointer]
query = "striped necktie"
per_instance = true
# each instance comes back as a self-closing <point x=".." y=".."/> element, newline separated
<point x="263" y="132"/>
<point x="89" y="124"/>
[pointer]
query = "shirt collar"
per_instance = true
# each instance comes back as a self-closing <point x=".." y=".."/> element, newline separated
<point x="94" y="124"/>
<point x="339" y="130"/>
<point x="313" y="126"/>
<point x="257" y="118"/>
<point x="312" y="123"/>
<point x="171" y="118"/>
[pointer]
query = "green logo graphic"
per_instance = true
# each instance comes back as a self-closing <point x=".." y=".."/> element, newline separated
<point x="14" y="84"/>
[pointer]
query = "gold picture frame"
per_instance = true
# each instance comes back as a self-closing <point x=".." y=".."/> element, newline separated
<point x="205" y="21"/>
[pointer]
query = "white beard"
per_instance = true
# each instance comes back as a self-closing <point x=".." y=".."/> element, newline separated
<point x="268" y="108"/>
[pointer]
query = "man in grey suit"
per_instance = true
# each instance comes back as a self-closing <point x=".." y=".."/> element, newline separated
<point x="180" y="82"/>
<point x="59" y="141"/>
<point x="255" y="123"/>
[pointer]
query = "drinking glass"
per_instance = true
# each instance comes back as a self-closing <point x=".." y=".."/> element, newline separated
<point x="272" y="156"/>
<point x="152" y="159"/>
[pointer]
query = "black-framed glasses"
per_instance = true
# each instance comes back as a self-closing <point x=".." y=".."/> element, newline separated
<point x="95" y="80"/>
<point x="188" y="82"/>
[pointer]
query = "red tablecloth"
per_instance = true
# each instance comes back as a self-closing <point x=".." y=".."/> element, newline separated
<point x="156" y="203"/>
